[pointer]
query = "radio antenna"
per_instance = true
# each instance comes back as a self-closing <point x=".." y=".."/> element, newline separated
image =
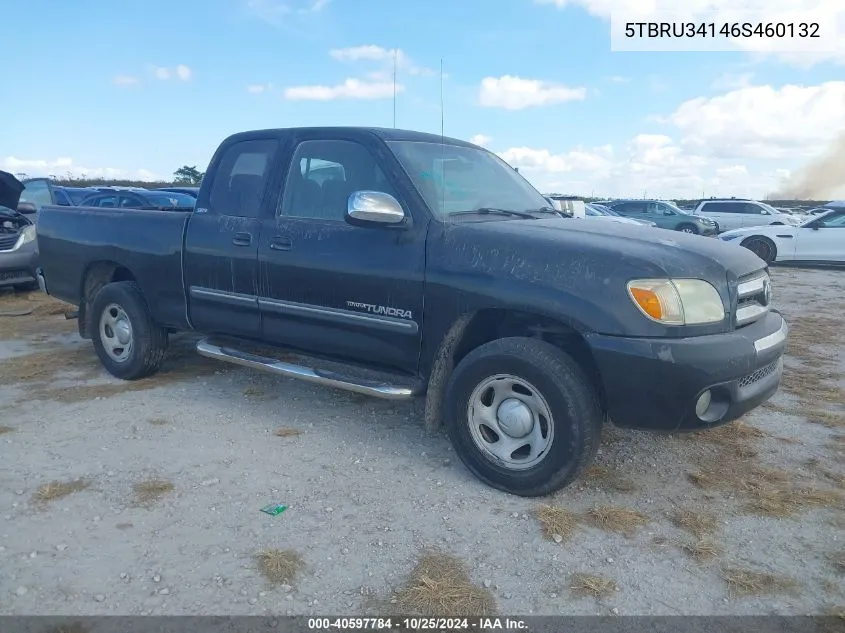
<point x="441" y="100"/>
<point x="394" y="88"/>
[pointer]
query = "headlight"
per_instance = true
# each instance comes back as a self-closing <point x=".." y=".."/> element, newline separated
<point x="27" y="235"/>
<point x="677" y="301"/>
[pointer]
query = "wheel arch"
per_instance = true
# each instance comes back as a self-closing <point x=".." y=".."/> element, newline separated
<point x="473" y="329"/>
<point x="98" y="274"/>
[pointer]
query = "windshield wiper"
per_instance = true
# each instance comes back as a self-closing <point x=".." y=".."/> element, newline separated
<point x="496" y="211"/>
<point x="551" y="210"/>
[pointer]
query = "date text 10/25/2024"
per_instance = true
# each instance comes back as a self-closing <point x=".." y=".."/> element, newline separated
<point x="417" y="624"/>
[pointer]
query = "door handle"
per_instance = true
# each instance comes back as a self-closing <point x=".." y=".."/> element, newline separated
<point x="242" y="239"/>
<point x="281" y="243"/>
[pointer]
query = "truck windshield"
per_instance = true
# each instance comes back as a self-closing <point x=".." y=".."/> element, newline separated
<point x="456" y="179"/>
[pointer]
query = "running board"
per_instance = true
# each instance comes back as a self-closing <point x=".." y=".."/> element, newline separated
<point x="364" y="386"/>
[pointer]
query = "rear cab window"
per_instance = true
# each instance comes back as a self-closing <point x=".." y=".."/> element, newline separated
<point x="240" y="180"/>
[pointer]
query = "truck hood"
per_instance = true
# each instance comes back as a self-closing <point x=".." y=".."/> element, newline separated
<point x="585" y="264"/>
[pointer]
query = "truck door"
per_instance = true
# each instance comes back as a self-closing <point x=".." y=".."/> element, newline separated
<point x="221" y="242"/>
<point x="331" y="288"/>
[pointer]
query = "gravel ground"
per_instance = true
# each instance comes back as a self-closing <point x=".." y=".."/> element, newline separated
<point x="368" y="492"/>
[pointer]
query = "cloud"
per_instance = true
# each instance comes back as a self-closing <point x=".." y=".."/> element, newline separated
<point x="747" y="142"/>
<point x="65" y="166"/>
<point x="515" y="93"/>
<point x="383" y="56"/>
<point x="825" y="12"/>
<point x="481" y="139"/>
<point x="183" y="72"/>
<point x="349" y="89"/>
<point x="126" y="80"/>
<point x="618" y="79"/>
<point x="597" y="160"/>
<point x="732" y="81"/>
<point x="164" y="73"/>
<point x="276" y="12"/>
<point x="259" y="88"/>
<point x="763" y="121"/>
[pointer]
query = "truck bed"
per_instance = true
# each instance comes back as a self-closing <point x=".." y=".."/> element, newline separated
<point x="149" y="243"/>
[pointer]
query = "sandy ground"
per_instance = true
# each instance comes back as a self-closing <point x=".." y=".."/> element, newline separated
<point x="145" y="498"/>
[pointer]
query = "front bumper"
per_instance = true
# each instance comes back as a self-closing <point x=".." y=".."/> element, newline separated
<point x="18" y="266"/>
<point x="655" y="383"/>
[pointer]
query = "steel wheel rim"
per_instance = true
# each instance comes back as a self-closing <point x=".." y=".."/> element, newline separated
<point x="510" y="422"/>
<point x="116" y="333"/>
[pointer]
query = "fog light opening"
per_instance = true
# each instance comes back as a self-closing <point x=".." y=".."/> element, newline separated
<point x="703" y="404"/>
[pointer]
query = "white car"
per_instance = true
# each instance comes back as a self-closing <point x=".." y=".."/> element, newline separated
<point x="597" y="212"/>
<point x="820" y="239"/>
<point x="734" y="213"/>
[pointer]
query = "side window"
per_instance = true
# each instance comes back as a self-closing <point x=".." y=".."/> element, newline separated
<point x="631" y="208"/>
<point x="324" y="174"/>
<point x="709" y="207"/>
<point x="105" y="201"/>
<point x="834" y="220"/>
<point x="130" y="202"/>
<point x="241" y="178"/>
<point x="749" y="208"/>
<point x="37" y="192"/>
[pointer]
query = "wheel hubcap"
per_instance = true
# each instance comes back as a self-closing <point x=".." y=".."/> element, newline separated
<point x="116" y="333"/>
<point x="514" y="418"/>
<point x="510" y="422"/>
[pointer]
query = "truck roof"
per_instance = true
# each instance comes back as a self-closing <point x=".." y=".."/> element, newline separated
<point x="386" y="134"/>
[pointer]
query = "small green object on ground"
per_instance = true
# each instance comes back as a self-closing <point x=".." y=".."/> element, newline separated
<point x="274" y="509"/>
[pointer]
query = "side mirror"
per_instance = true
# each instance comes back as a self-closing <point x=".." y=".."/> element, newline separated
<point x="374" y="207"/>
<point x="27" y="208"/>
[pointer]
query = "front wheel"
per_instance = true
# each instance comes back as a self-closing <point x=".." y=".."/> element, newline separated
<point x="688" y="228"/>
<point x="128" y="342"/>
<point x="762" y="247"/>
<point x="522" y="416"/>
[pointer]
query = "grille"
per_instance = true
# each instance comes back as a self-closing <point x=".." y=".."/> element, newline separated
<point x="753" y="298"/>
<point x="8" y="241"/>
<point x="758" y="375"/>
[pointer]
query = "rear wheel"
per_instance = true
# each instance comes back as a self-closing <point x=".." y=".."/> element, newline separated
<point x="128" y="342"/>
<point x="762" y="247"/>
<point x="522" y="416"/>
<point x="688" y="228"/>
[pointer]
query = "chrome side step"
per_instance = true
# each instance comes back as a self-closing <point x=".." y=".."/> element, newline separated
<point x="364" y="386"/>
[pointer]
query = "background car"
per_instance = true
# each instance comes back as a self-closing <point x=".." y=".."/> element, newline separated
<point x="139" y="199"/>
<point x="71" y="196"/>
<point x="188" y="191"/>
<point x="665" y="215"/>
<point x="821" y="239"/>
<point x="599" y="212"/>
<point x="18" y="215"/>
<point x="736" y="213"/>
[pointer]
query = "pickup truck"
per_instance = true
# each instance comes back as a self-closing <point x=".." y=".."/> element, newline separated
<point x="400" y="265"/>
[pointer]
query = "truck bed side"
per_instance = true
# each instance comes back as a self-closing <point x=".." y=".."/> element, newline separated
<point x="115" y="245"/>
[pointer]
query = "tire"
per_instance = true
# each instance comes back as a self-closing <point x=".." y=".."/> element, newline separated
<point x="121" y="320"/>
<point x="762" y="247"/>
<point x="517" y="367"/>
<point x="688" y="228"/>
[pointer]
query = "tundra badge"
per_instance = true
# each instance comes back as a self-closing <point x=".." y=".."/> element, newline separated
<point x="374" y="309"/>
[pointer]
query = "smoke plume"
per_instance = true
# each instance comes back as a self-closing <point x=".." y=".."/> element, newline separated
<point x="818" y="180"/>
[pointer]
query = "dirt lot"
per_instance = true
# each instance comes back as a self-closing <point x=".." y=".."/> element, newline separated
<point x="144" y="498"/>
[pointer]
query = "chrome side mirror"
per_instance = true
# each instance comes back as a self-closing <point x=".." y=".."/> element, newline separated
<point x="374" y="207"/>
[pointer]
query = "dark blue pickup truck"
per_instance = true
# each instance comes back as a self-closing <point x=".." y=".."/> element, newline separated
<point x="400" y="265"/>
